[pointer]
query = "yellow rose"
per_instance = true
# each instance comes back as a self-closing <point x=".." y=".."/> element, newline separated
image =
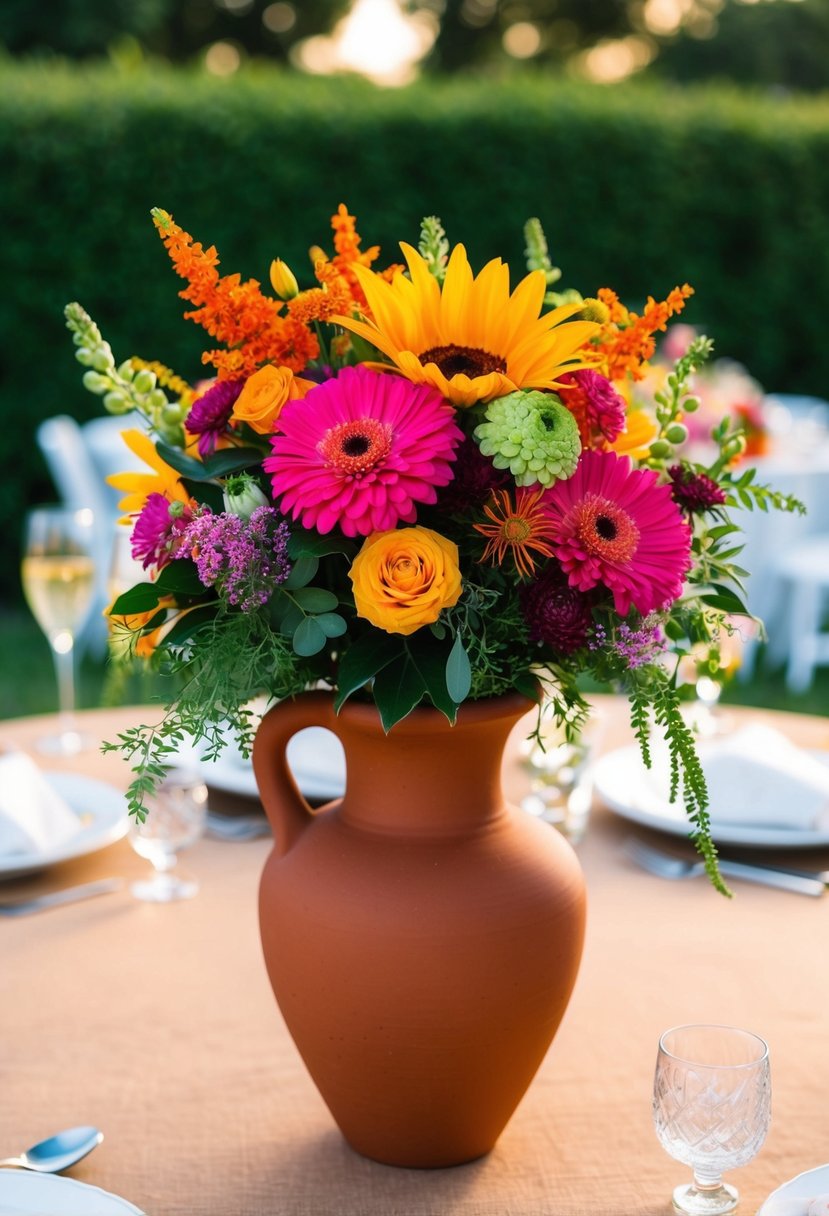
<point x="261" y="400"/>
<point x="404" y="577"/>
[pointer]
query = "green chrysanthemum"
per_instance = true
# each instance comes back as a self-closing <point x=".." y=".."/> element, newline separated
<point x="533" y="435"/>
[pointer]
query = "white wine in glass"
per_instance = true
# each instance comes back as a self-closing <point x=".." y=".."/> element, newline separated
<point x="58" y="576"/>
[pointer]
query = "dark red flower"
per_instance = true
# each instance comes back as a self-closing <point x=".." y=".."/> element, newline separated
<point x="558" y="615"/>
<point x="694" y="491"/>
<point x="474" y="478"/>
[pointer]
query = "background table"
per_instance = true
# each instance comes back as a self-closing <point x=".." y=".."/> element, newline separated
<point x="157" y="1024"/>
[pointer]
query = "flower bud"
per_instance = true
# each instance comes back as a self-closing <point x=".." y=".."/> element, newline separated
<point x="84" y="355"/>
<point x="283" y="280"/>
<point x="691" y="404"/>
<point x="157" y="399"/>
<point x="144" y="381"/>
<point x="659" y="448"/>
<point x="102" y="359"/>
<point x="595" y="310"/>
<point x="126" y="371"/>
<point x="676" y="433"/>
<point x="95" y="382"/>
<point x="117" y="403"/>
<point x="242" y="496"/>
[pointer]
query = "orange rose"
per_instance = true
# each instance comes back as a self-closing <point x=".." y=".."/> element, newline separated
<point x="261" y="400"/>
<point x="403" y="578"/>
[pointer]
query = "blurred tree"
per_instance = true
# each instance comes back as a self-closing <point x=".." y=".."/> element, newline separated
<point x="785" y="43"/>
<point x="176" y="29"/>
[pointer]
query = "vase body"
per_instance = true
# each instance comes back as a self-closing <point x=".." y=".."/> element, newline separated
<point x="422" y="938"/>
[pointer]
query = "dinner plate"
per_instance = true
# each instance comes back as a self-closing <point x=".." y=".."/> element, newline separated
<point x="314" y="754"/>
<point x="803" y="1188"/>
<point x="102" y="810"/>
<point x="635" y="792"/>
<point x="23" y="1194"/>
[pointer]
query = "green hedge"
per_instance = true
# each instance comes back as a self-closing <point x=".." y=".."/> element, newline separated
<point x="638" y="188"/>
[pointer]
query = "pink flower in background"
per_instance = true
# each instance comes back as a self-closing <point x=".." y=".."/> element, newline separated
<point x="361" y="451"/>
<point x="616" y="525"/>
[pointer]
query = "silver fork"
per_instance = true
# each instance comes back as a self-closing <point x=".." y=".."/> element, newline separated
<point x="664" y="865"/>
<point x="54" y="899"/>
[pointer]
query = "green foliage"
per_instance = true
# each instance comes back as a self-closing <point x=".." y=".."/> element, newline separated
<point x="86" y="155"/>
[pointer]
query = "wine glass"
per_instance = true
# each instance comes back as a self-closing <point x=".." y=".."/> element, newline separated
<point x="58" y="577"/>
<point x="561" y="789"/>
<point x="711" y="1108"/>
<point x="176" y="815"/>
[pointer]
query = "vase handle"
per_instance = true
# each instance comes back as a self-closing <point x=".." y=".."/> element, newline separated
<point x="288" y="812"/>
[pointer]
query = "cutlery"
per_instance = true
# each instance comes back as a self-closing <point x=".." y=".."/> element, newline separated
<point x="58" y="1152"/>
<point x="237" y="827"/>
<point x="69" y="895"/>
<point x="667" y="866"/>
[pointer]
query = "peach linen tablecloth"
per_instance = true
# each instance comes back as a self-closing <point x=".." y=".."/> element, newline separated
<point x="157" y="1024"/>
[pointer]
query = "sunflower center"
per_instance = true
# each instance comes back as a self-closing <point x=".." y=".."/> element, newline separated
<point x="605" y="530"/>
<point x="468" y="361"/>
<point x="356" y="447"/>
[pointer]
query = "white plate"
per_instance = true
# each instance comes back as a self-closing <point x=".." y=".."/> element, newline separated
<point x="628" y="788"/>
<point x="805" y="1187"/>
<point x="23" y="1194"/>
<point x="102" y="810"/>
<point x="314" y="754"/>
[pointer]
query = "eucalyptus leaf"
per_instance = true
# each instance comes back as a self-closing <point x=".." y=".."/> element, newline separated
<point x="304" y="569"/>
<point x="309" y="637"/>
<point x="332" y="624"/>
<point x="458" y="671"/>
<point x="316" y="599"/>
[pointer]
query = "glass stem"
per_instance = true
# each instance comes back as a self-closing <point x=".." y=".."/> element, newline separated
<point x="64" y="656"/>
<point x="707" y="1182"/>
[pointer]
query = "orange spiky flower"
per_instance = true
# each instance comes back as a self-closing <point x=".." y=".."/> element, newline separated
<point x="237" y="314"/>
<point x="517" y="529"/>
<point x="626" y="341"/>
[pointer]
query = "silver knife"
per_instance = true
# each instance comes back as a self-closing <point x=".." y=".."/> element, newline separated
<point x="54" y="899"/>
<point x="802" y="883"/>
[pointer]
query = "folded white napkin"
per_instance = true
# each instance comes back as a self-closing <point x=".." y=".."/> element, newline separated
<point x="33" y="816"/>
<point x="759" y="777"/>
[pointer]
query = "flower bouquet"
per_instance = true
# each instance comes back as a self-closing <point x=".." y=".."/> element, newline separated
<point x="414" y="485"/>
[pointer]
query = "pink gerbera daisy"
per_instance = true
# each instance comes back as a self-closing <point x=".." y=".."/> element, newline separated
<point x="617" y="526"/>
<point x="361" y="450"/>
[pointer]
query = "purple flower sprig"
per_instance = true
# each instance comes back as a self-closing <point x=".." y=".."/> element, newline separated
<point x="635" y="647"/>
<point x="245" y="560"/>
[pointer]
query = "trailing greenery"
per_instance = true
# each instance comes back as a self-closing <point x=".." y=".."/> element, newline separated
<point x="663" y="175"/>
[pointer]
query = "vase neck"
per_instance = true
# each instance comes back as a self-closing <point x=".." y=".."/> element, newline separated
<point x="425" y="778"/>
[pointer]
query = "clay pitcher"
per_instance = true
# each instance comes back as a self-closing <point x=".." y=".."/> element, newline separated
<point x="422" y="938"/>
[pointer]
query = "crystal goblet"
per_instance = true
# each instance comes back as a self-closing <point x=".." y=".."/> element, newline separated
<point x="711" y="1108"/>
<point x="176" y="816"/>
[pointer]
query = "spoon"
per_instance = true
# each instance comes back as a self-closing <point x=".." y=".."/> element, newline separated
<point x="58" y="1152"/>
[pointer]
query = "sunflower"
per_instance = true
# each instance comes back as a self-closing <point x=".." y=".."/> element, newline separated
<point x="472" y="340"/>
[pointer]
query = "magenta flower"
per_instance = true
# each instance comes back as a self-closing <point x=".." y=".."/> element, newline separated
<point x="361" y="450"/>
<point x="156" y="534"/>
<point x="210" y="413"/>
<point x="598" y="408"/>
<point x="615" y="525"/>
<point x="694" y="491"/>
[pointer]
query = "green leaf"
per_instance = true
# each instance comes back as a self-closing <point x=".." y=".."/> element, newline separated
<point x="332" y="624"/>
<point x="189" y="623"/>
<point x="206" y="493"/>
<point x="231" y="460"/>
<point x="726" y="601"/>
<point x="429" y="656"/>
<point x="304" y="569"/>
<point x="291" y="620"/>
<point x="362" y="661"/>
<point x="458" y="671"/>
<point x="309" y="637"/>
<point x="180" y="461"/>
<point x="397" y="689"/>
<point x="527" y="685"/>
<point x="140" y="598"/>
<point x="319" y="546"/>
<point x="316" y="599"/>
<point x="180" y="577"/>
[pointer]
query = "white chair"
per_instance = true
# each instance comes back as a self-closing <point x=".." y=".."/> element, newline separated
<point x="804" y="572"/>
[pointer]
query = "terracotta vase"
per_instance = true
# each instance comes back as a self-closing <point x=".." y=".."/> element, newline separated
<point x="422" y="938"/>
